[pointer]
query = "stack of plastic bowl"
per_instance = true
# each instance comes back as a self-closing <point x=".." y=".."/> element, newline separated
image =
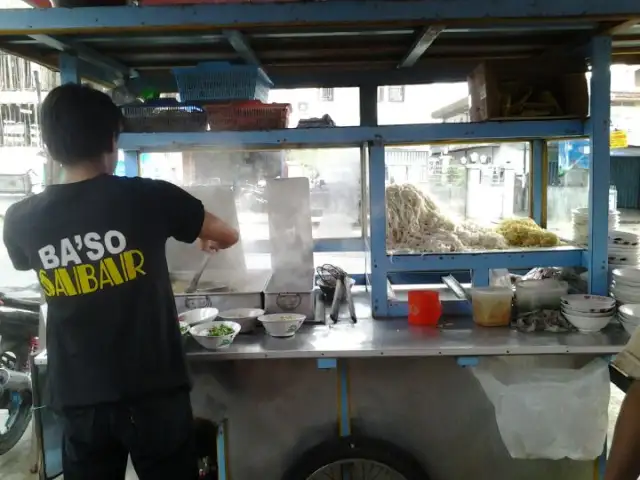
<point x="580" y="224"/>
<point x="629" y="316"/>
<point x="623" y="248"/>
<point x="588" y="313"/>
<point x="625" y="285"/>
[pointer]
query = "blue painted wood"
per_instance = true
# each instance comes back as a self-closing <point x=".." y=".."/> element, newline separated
<point x="355" y="136"/>
<point x="600" y="161"/>
<point x="303" y="13"/>
<point x="560" y="257"/>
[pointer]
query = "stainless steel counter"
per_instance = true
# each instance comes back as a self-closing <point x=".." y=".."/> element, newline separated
<point x="396" y="338"/>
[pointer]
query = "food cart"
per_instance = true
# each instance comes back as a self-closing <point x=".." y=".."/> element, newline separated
<point x="378" y="390"/>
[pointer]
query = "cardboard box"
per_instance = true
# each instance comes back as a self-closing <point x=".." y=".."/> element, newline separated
<point x="500" y="91"/>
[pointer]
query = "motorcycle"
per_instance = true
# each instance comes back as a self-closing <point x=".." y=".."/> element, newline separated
<point x="19" y="325"/>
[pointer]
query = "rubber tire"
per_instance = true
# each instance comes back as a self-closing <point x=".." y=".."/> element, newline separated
<point x="13" y="436"/>
<point x="355" y="447"/>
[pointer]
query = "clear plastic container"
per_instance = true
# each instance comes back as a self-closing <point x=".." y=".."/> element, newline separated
<point x="540" y="294"/>
<point x="492" y="306"/>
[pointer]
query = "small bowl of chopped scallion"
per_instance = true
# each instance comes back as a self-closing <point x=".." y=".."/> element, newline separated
<point x="215" y="335"/>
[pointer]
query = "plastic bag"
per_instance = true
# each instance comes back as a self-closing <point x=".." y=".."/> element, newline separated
<point x="500" y="277"/>
<point x="549" y="413"/>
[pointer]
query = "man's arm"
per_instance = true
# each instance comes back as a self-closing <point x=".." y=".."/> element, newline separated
<point x="186" y="219"/>
<point x="216" y="234"/>
<point x="624" y="459"/>
<point x="11" y="237"/>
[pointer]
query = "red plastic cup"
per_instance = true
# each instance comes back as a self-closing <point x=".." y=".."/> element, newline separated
<point x="425" y="308"/>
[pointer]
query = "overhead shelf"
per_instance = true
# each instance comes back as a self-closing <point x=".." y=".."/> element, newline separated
<point x="234" y="16"/>
<point x="355" y="136"/>
<point x="515" y="259"/>
<point x="351" y="43"/>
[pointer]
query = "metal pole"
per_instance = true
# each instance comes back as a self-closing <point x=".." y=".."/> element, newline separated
<point x="599" y="166"/>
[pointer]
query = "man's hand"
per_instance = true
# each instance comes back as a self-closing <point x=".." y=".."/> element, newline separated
<point x="209" y="246"/>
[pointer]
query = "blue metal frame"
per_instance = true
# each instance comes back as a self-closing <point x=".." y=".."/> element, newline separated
<point x="537" y="184"/>
<point x="221" y="450"/>
<point x="378" y="239"/>
<point x="356" y="136"/>
<point x="69" y="68"/>
<point x="305" y="13"/>
<point x="599" y="173"/>
<point x="87" y="54"/>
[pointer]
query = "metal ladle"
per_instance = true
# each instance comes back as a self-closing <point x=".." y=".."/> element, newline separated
<point x="193" y="286"/>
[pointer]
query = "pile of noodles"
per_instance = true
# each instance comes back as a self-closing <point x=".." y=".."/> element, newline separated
<point x="416" y="224"/>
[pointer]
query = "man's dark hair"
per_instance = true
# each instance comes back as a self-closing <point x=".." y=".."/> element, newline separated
<point x="79" y="123"/>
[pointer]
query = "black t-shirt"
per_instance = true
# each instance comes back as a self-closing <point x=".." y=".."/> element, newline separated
<point x="98" y="248"/>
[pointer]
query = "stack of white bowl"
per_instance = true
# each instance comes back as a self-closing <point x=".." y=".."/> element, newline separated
<point x="629" y="316"/>
<point x="588" y="313"/>
<point x="623" y="249"/>
<point x="625" y="285"/>
<point x="580" y="224"/>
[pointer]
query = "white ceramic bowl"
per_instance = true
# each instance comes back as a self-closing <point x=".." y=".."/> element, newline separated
<point x="588" y="324"/>
<point x="282" y="324"/>
<point x="198" y="316"/>
<point x="629" y="276"/>
<point x="623" y="238"/>
<point x="246" y="317"/>
<point x="200" y="333"/>
<point x="608" y="313"/>
<point x="588" y="303"/>
<point x="628" y="326"/>
<point x="629" y="320"/>
<point x="620" y="290"/>
<point x="631" y="310"/>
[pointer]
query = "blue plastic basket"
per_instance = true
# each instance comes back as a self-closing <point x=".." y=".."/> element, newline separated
<point x="222" y="81"/>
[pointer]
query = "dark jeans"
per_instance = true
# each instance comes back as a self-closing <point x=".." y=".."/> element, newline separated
<point x="157" y="432"/>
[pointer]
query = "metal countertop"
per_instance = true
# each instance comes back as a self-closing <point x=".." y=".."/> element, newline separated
<point x="396" y="338"/>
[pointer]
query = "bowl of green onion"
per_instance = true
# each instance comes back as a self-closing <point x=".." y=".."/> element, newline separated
<point x="215" y="335"/>
<point x="184" y="331"/>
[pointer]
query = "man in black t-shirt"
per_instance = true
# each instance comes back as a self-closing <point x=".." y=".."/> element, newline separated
<point x="118" y="376"/>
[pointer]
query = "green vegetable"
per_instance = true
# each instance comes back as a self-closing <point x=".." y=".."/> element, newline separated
<point x="184" y="329"/>
<point x="220" y="331"/>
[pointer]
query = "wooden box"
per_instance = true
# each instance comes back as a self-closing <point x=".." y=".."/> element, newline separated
<point x="501" y="91"/>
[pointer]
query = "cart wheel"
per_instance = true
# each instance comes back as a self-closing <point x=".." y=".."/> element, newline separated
<point x="360" y="458"/>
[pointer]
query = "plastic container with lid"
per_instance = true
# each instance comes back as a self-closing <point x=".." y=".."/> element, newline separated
<point x="491" y="306"/>
<point x="540" y="294"/>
